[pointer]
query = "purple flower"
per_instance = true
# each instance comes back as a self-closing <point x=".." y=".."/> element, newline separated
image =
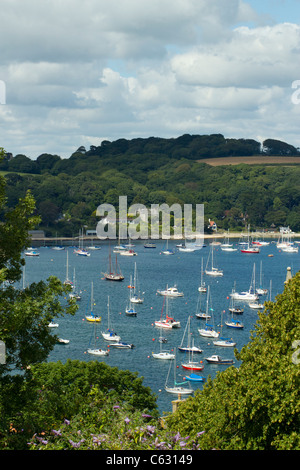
<point x="127" y="420"/>
<point x="41" y="440"/>
<point x="56" y="433"/>
<point x="67" y="421"/>
<point x="177" y="437"/>
<point x="76" y="444"/>
<point x="150" y="429"/>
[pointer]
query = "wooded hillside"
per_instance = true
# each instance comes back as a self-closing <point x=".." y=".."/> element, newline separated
<point x="156" y="170"/>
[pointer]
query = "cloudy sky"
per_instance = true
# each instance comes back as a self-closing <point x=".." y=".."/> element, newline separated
<point x="77" y="72"/>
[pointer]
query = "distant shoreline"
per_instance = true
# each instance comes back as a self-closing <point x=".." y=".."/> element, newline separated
<point x="71" y="241"/>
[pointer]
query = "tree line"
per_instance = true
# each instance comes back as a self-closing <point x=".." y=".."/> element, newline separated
<point x="155" y="171"/>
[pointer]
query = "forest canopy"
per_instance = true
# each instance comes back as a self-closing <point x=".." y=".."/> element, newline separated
<point x="154" y="171"/>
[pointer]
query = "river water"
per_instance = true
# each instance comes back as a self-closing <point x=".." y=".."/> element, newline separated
<point x="156" y="271"/>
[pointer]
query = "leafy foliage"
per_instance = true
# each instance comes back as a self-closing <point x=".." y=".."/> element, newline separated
<point x="107" y="425"/>
<point x="154" y="170"/>
<point x="24" y="313"/>
<point x="255" y="406"/>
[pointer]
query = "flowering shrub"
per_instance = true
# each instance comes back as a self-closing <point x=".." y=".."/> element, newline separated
<point x="116" y="428"/>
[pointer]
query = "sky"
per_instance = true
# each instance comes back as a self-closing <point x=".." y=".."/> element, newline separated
<point x="74" y="73"/>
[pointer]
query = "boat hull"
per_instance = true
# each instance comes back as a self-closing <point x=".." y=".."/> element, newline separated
<point x="218" y="360"/>
<point x="193" y="366"/>
<point x="98" y="352"/>
<point x="224" y="343"/>
<point x="121" y="345"/>
<point x="191" y="350"/>
<point x="234" y="325"/>
<point x="163" y="356"/>
<point x="113" y="277"/>
<point x="167" y="325"/>
<point x="208" y="333"/>
<point x="194" y="378"/>
<point x="179" y="390"/>
<point x="92" y="318"/>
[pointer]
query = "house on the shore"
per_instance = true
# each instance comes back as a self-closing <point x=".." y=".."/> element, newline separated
<point x="212" y="225"/>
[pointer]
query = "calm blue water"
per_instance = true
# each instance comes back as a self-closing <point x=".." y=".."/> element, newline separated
<point x="156" y="271"/>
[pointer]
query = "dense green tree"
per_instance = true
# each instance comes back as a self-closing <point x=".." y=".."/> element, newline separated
<point x="24" y="313"/>
<point x="46" y="161"/>
<point x="277" y="147"/>
<point x="257" y="405"/>
<point x="158" y="170"/>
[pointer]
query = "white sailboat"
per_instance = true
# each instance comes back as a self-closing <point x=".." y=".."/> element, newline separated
<point x="32" y="253"/>
<point x="209" y="330"/>
<point x="202" y="287"/>
<point x="224" y="342"/>
<point x="95" y="351"/>
<point x="93" y="246"/>
<point x="80" y="251"/>
<point x="191" y="364"/>
<point x="260" y="290"/>
<point x="204" y="315"/>
<point x="226" y="245"/>
<point x="110" y="334"/>
<point x="213" y="271"/>
<point x="135" y="295"/>
<point x="167" y="251"/>
<point x="127" y="252"/>
<point x="74" y="294"/>
<point x="233" y="308"/>
<point x="92" y="317"/>
<point x="130" y="310"/>
<point x="249" y="295"/>
<point x="167" y="322"/>
<point x="163" y="354"/>
<point x="189" y="347"/>
<point x="67" y="280"/>
<point x="112" y="275"/>
<point x="256" y="305"/>
<point x="250" y="248"/>
<point x="179" y="389"/>
<point x="187" y="248"/>
<point x="234" y="323"/>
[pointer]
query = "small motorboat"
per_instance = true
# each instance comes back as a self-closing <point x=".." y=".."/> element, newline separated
<point x="194" y="378"/>
<point x="32" y="253"/>
<point x="121" y="345"/>
<point x="170" y="292"/>
<point x="216" y="359"/>
<point x="63" y="341"/>
<point x="163" y="355"/>
<point x="98" y="352"/>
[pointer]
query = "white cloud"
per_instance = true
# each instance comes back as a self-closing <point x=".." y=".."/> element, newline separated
<point x="75" y="71"/>
<point x="255" y="57"/>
